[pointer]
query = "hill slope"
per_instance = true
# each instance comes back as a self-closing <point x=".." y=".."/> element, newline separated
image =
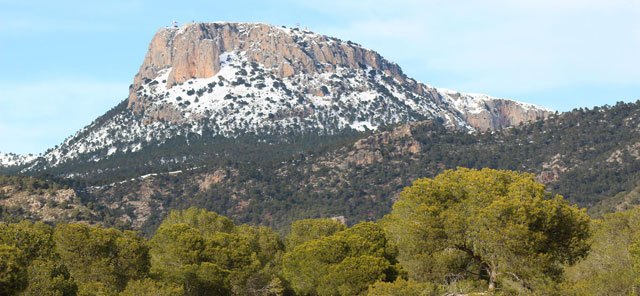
<point x="586" y="155"/>
<point x="200" y="82"/>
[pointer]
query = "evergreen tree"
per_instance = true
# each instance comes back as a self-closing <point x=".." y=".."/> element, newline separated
<point x="344" y="263"/>
<point x="101" y="259"/>
<point x="497" y="226"/>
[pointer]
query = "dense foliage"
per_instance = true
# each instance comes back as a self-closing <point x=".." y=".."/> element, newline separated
<point x="31" y="184"/>
<point x="206" y="254"/>
<point x="611" y="267"/>
<point x="465" y="231"/>
<point x="101" y="259"/>
<point x="497" y="226"/>
<point x="344" y="263"/>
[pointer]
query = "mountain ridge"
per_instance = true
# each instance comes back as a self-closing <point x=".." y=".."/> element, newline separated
<point x="13" y="159"/>
<point x="208" y="80"/>
<point x="572" y="153"/>
<point x="589" y="156"/>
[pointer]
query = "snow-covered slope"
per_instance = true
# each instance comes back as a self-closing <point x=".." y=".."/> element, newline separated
<point x="230" y="79"/>
<point x="11" y="159"/>
<point x="476" y="103"/>
<point x="485" y="112"/>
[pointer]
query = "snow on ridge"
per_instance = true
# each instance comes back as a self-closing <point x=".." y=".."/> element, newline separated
<point x="12" y="159"/>
<point x="474" y="102"/>
<point x="246" y="97"/>
<point x="299" y="32"/>
<point x="239" y="92"/>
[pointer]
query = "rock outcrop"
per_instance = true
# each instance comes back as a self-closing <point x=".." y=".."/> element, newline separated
<point x="487" y="113"/>
<point x="193" y="51"/>
<point x="44" y="205"/>
<point x="503" y="113"/>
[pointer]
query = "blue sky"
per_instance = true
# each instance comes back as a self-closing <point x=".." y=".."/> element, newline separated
<point x="66" y="62"/>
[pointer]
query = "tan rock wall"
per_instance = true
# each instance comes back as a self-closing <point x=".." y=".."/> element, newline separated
<point x="503" y="113"/>
<point x="193" y="51"/>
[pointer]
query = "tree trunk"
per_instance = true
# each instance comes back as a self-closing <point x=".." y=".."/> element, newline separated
<point x="493" y="274"/>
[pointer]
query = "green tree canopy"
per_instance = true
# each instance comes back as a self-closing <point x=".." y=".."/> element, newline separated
<point x="35" y="240"/>
<point x="101" y="259"/>
<point x="310" y="229"/>
<point x="13" y="271"/>
<point x="609" y="267"/>
<point x="202" y="220"/>
<point x="205" y="253"/>
<point x="344" y="263"/>
<point x="50" y="278"/>
<point x="46" y="274"/>
<point x="151" y="287"/>
<point x="403" y="287"/>
<point x="494" y="225"/>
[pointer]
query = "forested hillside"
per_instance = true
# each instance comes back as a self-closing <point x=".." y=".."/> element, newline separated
<point x="589" y="156"/>
<point x="479" y="231"/>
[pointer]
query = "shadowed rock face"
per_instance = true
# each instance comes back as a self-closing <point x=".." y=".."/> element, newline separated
<point x="193" y="51"/>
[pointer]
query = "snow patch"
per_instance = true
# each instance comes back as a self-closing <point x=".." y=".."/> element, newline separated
<point x="475" y="103"/>
<point x="12" y="159"/>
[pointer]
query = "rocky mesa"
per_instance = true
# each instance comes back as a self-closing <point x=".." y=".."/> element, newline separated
<point x="209" y="80"/>
<point x="194" y="51"/>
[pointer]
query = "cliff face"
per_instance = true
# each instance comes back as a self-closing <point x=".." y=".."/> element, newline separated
<point x="193" y="51"/>
<point x="487" y="113"/>
<point x="505" y="113"/>
<point x="178" y="55"/>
